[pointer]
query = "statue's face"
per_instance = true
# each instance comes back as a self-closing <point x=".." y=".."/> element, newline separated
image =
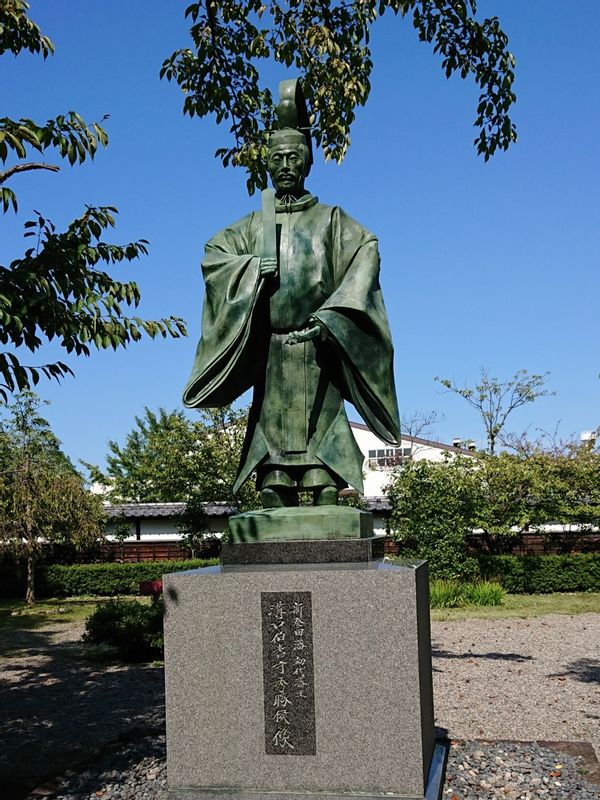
<point x="285" y="163"/>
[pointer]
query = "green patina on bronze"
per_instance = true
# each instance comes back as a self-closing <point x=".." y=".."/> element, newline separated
<point x="293" y="308"/>
<point x="305" y="522"/>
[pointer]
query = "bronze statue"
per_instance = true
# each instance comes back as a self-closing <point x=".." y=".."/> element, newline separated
<point x="293" y="308"/>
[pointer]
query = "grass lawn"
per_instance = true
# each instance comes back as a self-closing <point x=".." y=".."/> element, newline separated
<point x="525" y="605"/>
<point x="15" y="616"/>
<point x="27" y="629"/>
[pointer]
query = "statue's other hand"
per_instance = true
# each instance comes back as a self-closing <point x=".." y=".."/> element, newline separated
<point x="306" y="334"/>
<point x="268" y="267"/>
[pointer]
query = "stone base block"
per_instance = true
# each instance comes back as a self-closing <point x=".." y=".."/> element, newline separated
<point x="302" y="522"/>
<point x="433" y="788"/>
<point x="315" y="680"/>
<point x="315" y="551"/>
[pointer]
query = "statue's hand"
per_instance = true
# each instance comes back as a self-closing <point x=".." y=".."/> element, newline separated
<point x="268" y="267"/>
<point x="306" y="334"/>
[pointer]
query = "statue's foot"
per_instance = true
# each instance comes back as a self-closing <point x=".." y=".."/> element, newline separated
<point x="327" y="496"/>
<point x="278" y="498"/>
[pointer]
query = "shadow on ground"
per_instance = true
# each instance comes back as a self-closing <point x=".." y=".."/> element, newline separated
<point x="586" y="670"/>
<point x="58" y="707"/>
<point x="437" y="652"/>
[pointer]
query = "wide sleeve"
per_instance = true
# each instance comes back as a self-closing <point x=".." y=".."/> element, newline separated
<point x="358" y="328"/>
<point x="223" y="365"/>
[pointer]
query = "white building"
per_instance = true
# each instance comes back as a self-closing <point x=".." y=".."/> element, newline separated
<point x="382" y="458"/>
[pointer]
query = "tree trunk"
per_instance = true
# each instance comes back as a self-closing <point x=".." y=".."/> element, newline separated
<point x="30" y="592"/>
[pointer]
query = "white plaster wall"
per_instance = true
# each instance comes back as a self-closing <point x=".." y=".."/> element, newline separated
<point x="164" y="530"/>
<point x="377" y="478"/>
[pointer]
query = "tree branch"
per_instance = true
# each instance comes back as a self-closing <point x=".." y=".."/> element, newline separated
<point x="4" y="176"/>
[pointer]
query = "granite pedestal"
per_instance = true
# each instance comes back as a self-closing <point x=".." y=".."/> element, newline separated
<point x="313" y="678"/>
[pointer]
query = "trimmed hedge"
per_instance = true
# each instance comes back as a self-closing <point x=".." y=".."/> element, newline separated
<point x="543" y="574"/>
<point x="518" y="575"/>
<point x="102" y="580"/>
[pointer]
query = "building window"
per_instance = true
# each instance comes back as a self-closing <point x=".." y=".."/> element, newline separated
<point x="388" y="457"/>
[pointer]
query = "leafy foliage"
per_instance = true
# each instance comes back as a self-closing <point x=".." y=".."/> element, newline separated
<point x="433" y="506"/>
<point x="436" y="505"/>
<point x="68" y="134"/>
<point x="327" y="43"/>
<point x="167" y="457"/>
<point x="134" y="628"/>
<point x="56" y="291"/>
<point x="18" y="32"/>
<point x="43" y="499"/>
<point x="496" y="400"/>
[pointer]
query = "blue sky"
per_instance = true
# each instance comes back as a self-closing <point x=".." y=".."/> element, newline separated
<point x="490" y="265"/>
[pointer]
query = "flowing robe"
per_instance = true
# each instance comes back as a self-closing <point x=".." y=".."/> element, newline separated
<point x="328" y="272"/>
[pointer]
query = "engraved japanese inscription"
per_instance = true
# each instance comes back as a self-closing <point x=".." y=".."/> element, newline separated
<point x="288" y="672"/>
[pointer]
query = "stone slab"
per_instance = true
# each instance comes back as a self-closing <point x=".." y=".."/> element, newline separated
<point x="303" y="552"/>
<point x="374" y="733"/>
<point x="301" y="523"/>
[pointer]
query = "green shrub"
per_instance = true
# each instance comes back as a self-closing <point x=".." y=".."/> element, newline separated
<point x="453" y="594"/>
<point x="107" y="580"/>
<point x="543" y="574"/>
<point x="134" y="628"/>
<point x="433" y="505"/>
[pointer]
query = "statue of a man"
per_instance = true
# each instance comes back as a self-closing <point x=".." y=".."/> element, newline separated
<point x="293" y="308"/>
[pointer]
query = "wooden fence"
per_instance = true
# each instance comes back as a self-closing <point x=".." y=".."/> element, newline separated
<point x="157" y="551"/>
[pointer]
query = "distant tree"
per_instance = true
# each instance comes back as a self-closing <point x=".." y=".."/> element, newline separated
<point x="569" y="474"/>
<point x="550" y="442"/>
<point x="43" y="500"/>
<point x="56" y="290"/>
<point x="156" y="463"/>
<point x="168" y="457"/>
<point x="516" y="494"/>
<point x="327" y="44"/>
<point x="496" y="400"/>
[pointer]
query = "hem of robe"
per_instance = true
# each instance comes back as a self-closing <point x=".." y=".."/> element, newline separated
<point x="338" y="433"/>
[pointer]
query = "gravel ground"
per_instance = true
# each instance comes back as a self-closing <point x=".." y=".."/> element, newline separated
<point x="530" y="679"/>
<point x="57" y="708"/>
<point x="475" y="771"/>
<point x="100" y="727"/>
